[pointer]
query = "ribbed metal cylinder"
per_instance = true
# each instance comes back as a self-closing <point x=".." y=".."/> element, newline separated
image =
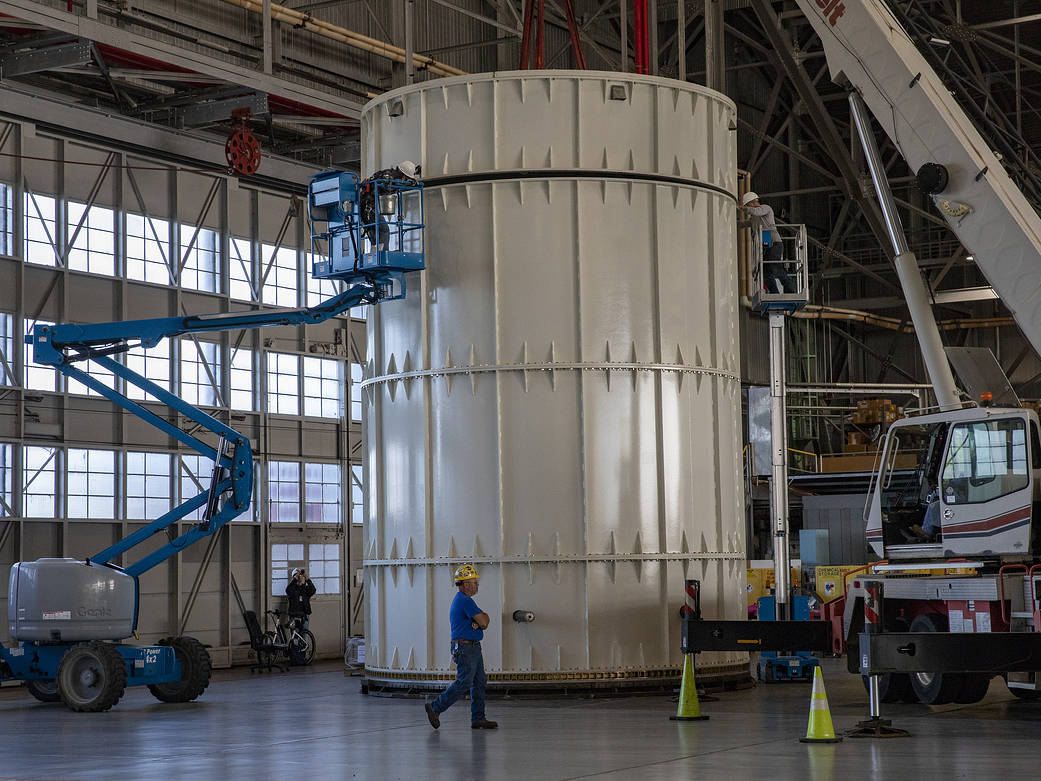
<point x="557" y="400"/>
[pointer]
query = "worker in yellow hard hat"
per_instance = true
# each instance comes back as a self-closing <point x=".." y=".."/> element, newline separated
<point x="468" y="625"/>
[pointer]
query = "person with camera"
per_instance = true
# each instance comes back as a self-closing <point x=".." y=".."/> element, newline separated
<point x="300" y="590"/>
<point x="468" y="625"/>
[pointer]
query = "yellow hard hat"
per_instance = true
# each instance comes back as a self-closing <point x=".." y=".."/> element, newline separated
<point x="466" y="572"/>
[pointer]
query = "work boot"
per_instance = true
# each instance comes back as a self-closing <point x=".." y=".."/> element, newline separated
<point x="432" y="717"/>
<point x="484" y="724"/>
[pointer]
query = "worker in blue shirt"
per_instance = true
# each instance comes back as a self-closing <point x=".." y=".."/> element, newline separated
<point x="468" y="625"/>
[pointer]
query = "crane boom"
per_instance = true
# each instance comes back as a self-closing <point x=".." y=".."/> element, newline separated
<point x="867" y="48"/>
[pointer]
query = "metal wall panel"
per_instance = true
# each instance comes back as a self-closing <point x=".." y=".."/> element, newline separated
<point x="574" y="426"/>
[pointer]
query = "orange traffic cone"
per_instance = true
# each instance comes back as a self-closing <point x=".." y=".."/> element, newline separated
<point x="820" y="728"/>
<point x="688" y="709"/>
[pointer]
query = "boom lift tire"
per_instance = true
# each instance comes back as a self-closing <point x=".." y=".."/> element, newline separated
<point x="44" y="691"/>
<point x="195" y="671"/>
<point x="91" y="677"/>
<point x="934" y="688"/>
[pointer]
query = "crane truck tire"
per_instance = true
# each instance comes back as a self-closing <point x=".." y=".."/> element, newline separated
<point x="44" y="691"/>
<point x="935" y="688"/>
<point x="195" y="671"/>
<point x="91" y="677"/>
<point x="974" y="688"/>
<point x="892" y="687"/>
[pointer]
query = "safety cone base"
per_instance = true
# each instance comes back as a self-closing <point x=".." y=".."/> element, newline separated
<point x="820" y="740"/>
<point x="688" y="718"/>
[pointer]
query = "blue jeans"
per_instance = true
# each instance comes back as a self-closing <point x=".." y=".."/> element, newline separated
<point x="469" y="664"/>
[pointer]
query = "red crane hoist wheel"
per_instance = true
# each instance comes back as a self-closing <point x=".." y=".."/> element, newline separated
<point x="242" y="149"/>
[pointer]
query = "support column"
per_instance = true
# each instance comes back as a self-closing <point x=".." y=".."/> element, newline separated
<point x="715" y="57"/>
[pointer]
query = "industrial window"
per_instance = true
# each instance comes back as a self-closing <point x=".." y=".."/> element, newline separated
<point x="283" y="491"/>
<point x="193" y="474"/>
<point x="40" y="244"/>
<point x="95" y="370"/>
<point x="153" y="364"/>
<point x="359" y="312"/>
<point x="39" y="467"/>
<point x="91" y="484"/>
<point x="283" y="384"/>
<point x="284" y="559"/>
<point x="200" y="369"/>
<point x="148" y="486"/>
<point x="200" y="253"/>
<point x="278" y="275"/>
<point x="985" y="460"/>
<point x="318" y="290"/>
<point x="99" y="373"/>
<point x="38" y="376"/>
<point x="357" y="373"/>
<point x="240" y="271"/>
<point x="242" y="379"/>
<point x="357" y="495"/>
<point x="148" y="249"/>
<point x="323" y="387"/>
<point x="92" y="238"/>
<point x="6" y="480"/>
<point x="323" y="566"/>
<point x="6" y="219"/>
<point x="322" y="488"/>
<point x="7" y="375"/>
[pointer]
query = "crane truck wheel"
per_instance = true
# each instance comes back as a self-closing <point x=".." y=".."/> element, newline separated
<point x="893" y="687"/>
<point x="195" y="671"/>
<point x="91" y="677"/>
<point x="974" y="688"/>
<point x="935" y="688"/>
<point x="44" y="691"/>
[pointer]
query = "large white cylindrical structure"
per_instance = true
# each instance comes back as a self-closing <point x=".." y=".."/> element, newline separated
<point x="557" y="400"/>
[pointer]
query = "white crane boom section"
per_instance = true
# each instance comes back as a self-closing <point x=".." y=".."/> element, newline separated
<point x="868" y="48"/>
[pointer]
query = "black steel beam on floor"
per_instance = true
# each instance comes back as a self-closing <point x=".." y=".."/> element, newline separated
<point x="949" y="652"/>
<point x="701" y="635"/>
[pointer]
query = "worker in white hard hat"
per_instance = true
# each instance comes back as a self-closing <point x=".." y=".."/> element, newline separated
<point x="371" y="217"/>
<point x="468" y="625"/>
<point x="761" y="220"/>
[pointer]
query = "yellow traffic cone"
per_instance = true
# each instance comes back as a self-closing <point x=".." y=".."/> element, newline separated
<point x="820" y="728"/>
<point x="688" y="708"/>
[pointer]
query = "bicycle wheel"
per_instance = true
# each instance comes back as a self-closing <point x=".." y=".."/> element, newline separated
<point x="304" y="645"/>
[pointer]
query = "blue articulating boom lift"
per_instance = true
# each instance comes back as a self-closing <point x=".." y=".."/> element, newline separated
<point x="68" y="616"/>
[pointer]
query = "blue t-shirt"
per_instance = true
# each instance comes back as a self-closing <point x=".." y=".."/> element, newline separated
<point x="461" y="615"/>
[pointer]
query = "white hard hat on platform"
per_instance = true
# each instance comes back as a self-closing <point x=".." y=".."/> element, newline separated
<point x="748" y="197"/>
<point x="408" y="168"/>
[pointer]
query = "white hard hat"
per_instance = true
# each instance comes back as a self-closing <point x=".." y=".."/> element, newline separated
<point x="748" y="197"/>
<point x="408" y="168"/>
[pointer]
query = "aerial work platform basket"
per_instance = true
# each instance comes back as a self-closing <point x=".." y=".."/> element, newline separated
<point x="779" y="279"/>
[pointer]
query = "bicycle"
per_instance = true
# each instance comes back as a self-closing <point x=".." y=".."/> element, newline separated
<point x="293" y="636"/>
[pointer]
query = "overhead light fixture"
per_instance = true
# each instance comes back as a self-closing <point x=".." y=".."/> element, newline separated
<point x="937" y="41"/>
<point x="970" y="258"/>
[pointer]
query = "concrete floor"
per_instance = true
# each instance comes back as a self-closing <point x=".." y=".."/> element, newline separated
<point x="314" y="724"/>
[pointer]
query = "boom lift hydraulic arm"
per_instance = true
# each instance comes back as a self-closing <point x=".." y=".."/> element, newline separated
<point x="69" y="615"/>
<point x="65" y="347"/>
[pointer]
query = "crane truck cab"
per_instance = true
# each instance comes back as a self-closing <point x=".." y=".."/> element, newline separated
<point x="957" y="483"/>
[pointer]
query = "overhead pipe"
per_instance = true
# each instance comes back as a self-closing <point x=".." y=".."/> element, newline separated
<point x="355" y="40"/>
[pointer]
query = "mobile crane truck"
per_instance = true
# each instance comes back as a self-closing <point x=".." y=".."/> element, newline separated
<point x="69" y="616"/>
<point x="931" y="635"/>
<point x="956" y="599"/>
